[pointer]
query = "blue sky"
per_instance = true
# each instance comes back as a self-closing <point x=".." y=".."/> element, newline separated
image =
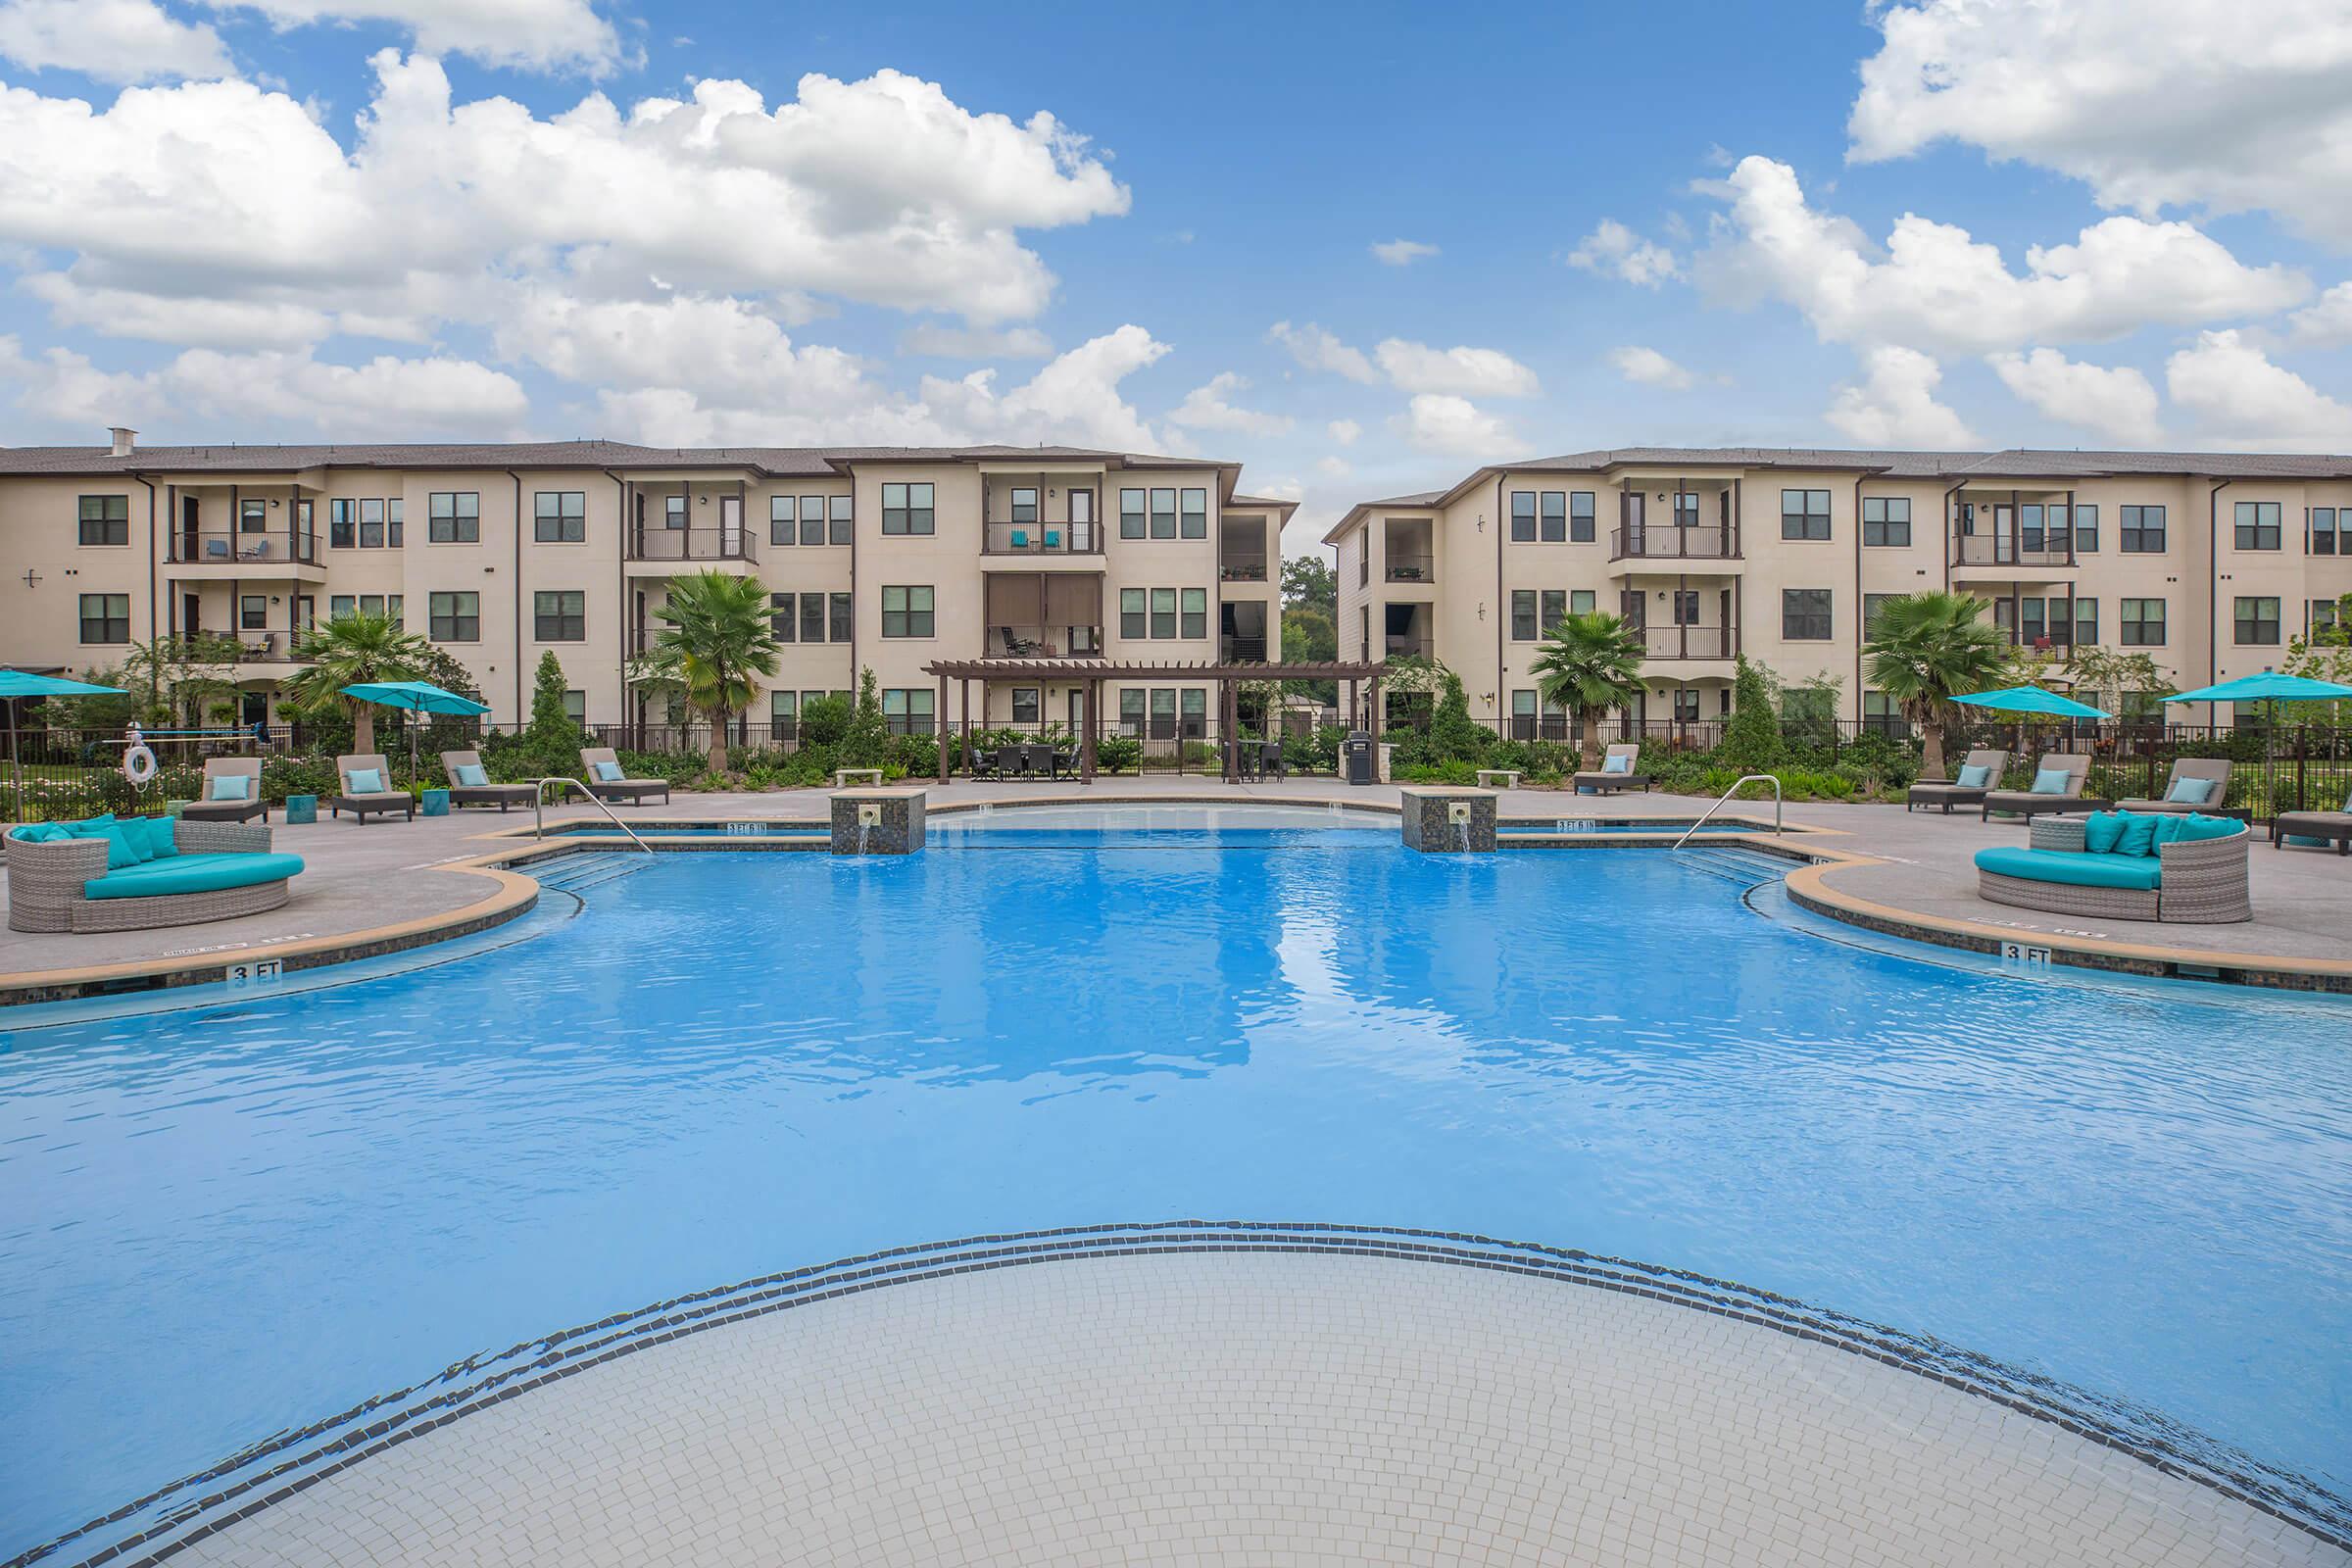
<point x="2121" y="225"/>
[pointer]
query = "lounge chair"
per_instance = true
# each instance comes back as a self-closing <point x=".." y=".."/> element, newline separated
<point x="1616" y="770"/>
<point x="1955" y="793"/>
<point x="470" y="783"/>
<point x="358" y="800"/>
<point x="238" y="801"/>
<point x="2074" y="767"/>
<point x="606" y="783"/>
<point x="2337" y="825"/>
<point x="2181" y="790"/>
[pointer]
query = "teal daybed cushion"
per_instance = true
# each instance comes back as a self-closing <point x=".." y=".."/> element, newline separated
<point x="193" y="873"/>
<point x="2143" y="872"/>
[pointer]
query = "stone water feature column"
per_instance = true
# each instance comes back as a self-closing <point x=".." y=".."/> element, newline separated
<point x="1448" y="821"/>
<point x="877" y="821"/>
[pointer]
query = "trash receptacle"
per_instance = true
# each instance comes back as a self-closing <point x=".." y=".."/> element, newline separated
<point x="1355" y="752"/>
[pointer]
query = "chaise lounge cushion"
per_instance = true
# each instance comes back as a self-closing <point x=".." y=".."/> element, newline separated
<point x="1976" y="777"/>
<point x="193" y="873"/>
<point x="2138" y="873"/>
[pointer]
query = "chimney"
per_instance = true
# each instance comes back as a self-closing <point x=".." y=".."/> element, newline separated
<point x="122" y="438"/>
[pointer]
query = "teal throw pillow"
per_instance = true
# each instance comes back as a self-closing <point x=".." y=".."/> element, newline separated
<point x="2100" y="831"/>
<point x="2052" y="781"/>
<point x="363" y="781"/>
<point x="2138" y="836"/>
<point x="2190" y="792"/>
<point x="232" y="787"/>
<point x="2196" y="825"/>
<point x="1975" y="776"/>
<point x="608" y="772"/>
<point x="473" y="775"/>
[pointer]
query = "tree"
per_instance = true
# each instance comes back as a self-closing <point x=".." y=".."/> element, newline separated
<point x="716" y="628"/>
<point x="867" y="740"/>
<point x="2103" y="678"/>
<point x="1309" y="581"/>
<point x="350" y="651"/>
<point x="1309" y="637"/>
<point x="1752" y="740"/>
<point x="176" y="678"/>
<point x="552" y="737"/>
<point x="1589" y="663"/>
<point x="1926" y="649"/>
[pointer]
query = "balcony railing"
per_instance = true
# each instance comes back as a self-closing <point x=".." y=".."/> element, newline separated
<point x="2007" y="550"/>
<point x="654" y="542"/>
<point x="1236" y="647"/>
<point x="1395" y="646"/>
<point x="1690" y="642"/>
<point x="1042" y="539"/>
<point x="1242" y="568"/>
<point x="1410" y="568"/>
<point x="1706" y="540"/>
<point x="1044" y="642"/>
<point x="266" y="647"/>
<point x="230" y="547"/>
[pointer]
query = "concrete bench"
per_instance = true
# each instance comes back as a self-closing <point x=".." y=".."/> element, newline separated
<point x="863" y="776"/>
<point x="1508" y="775"/>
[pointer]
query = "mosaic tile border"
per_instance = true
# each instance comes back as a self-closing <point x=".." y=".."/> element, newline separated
<point x="166" y="1522"/>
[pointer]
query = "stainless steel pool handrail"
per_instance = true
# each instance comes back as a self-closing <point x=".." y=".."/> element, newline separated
<point x="1743" y="780"/>
<point x="539" y="816"/>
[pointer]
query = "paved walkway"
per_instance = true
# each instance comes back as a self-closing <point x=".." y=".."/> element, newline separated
<point x="1250" y="1408"/>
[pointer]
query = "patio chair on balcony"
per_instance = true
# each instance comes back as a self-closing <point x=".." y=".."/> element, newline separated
<point x="2196" y="784"/>
<point x="1020" y="538"/>
<point x="1979" y="773"/>
<point x="215" y="550"/>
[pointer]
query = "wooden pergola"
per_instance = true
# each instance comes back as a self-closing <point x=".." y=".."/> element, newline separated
<point x="1093" y="674"/>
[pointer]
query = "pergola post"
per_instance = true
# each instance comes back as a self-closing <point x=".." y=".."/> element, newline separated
<point x="1352" y="710"/>
<point x="967" y="704"/>
<point x="939" y="728"/>
<point x="1094" y="719"/>
<point x="1228" y="721"/>
<point x="1372" y="724"/>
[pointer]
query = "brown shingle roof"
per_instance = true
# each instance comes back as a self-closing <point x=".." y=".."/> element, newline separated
<point x="290" y="458"/>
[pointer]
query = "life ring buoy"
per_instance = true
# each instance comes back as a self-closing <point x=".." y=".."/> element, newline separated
<point x="138" y="764"/>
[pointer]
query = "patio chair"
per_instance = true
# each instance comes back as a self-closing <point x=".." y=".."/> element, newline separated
<point x="1012" y="762"/>
<point x="1270" y="762"/>
<point x="605" y="782"/>
<point x="470" y="783"/>
<point x="2196" y="784"/>
<point x="1616" y="770"/>
<point x="367" y="778"/>
<point x="1038" y="757"/>
<point x="238" y="800"/>
<point x="2074" y="769"/>
<point x="2335" y="825"/>
<point x="1956" y="792"/>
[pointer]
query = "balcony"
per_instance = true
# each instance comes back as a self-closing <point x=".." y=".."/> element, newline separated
<point x="672" y="546"/>
<point x="1242" y="647"/>
<point x="2006" y="551"/>
<point x="241" y="548"/>
<point x="1410" y="568"/>
<point x="1043" y="642"/>
<point x="1706" y="540"/>
<point x="1396" y="645"/>
<point x="1690" y="642"/>
<point x="1242" y="568"/>
<point x="1041" y="539"/>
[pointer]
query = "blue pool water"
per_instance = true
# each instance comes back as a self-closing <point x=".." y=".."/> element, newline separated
<point x="219" y="1223"/>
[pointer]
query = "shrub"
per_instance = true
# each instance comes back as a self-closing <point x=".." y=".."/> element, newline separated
<point x="824" y="720"/>
<point x="1118" y="754"/>
<point x="1752" y="740"/>
<point x="913" y="755"/>
<point x="865" y="743"/>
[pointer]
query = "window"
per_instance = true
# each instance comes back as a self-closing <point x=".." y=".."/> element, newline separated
<point x="813" y="520"/>
<point x="253" y="515"/>
<point x="841" y="519"/>
<point x="1131" y="518"/>
<point x="1523" y="614"/>
<point x="454" y="618"/>
<point x="2321" y="616"/>
<point x="2030" y="627"/>
<point x="1523" y="715"/>
<point x="2141" y="531"/>
<point x="907" y="612"/>
<point x="783" y="716"/>
<point x="780" y="521"/>
<point x="1196" y="613"/>
<point x="371" y="526"/>
<point x="576" y="707"/>
<point x="1872" y="603"/>
<point x="1133" y="619"/>
<point x="1887" y="520"/>
<point x="1555" y="516"/>
<point x="2030" y="536"/>
<point x="2144" y="708"/>
<point x="1024" y="510"/>
<point x="1686" y="512"/>
<point x="1163" y="514"/>
<point x="2086" y="530"/>
<point x="560" y="616"/>
<point x="839" y="606"/>
<point x="2257" y="621"/>
<point x="907" y="708"/>
<point x="1581" y="601"/>
<point x="2141" y="623"/>
<point x="106" y="617"/>
<point x="1195" y="710"/>
<point x="306" y="530"/>
<point x="454" y="517"/>
<point x="2258" y="526"/>
<point x="1685" y="704"/>
<point x="253" y="611"/>
<point x="1195" y="514"/>
<point x="812" y="617"/>
<point x="1804" y="614"/>
<point x="395" y="511"/>
<point x="1163" y="613"/>
<point x="1025" y="704"/>
<point x="1552" y="607"/>
<point x="673" y="512"/>
<point x="2086" y="623"/>
<point x="1523" y="517"/>
<point x="340" y="605"/>
<point x="1131" y="711"/>
<point x="1881" y="715"/>
<point x="1686" y="606"/>
<point x="1581" y="509"/>
<point x="2323" y="522"/>
<point x="1805" y="514"/>
<point x="341" y="533"/>
<point x="907" y="509"/>
<point x="560" y="517"/>
<point x="780" y="621"/>
<point x="105" y="520"/>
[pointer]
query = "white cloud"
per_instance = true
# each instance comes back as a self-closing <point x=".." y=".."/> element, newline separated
<point x="194" y="322"/>
<point x="1317" y="350"/>
<point x="2119" y="404"/>
<point x="1480" y="373"/>
<point x="1453" y="427"/>
<point x="1403" y="252"/>
<point x="1895" y="405"/>
<point x="1345" y="432"/>
<point x="1208" y="408"/>
<point x="109" y="40"/>
<point x="1333" y="468"/>
<point x="2241" y="400"/>
<point x="1648" y="368"/>
<point x="2327" y="322"/>
<point x="2151" y="102"/>
<point x="528" y="34"/>
<point x="939" y="340"/>
<point x="1939" y="290"/>
<point x="1616" y="251"/>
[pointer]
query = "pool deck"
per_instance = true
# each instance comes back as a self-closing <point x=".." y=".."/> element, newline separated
<point x="389" y="884"/>
<point x="1273" y="1406"/>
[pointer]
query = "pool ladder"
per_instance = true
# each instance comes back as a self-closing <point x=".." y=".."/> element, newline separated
<point x="539" y="815"/>
<point x="1737" y="785"/>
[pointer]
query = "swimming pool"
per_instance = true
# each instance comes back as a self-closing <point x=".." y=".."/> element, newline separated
<point x="222" y="1222"/>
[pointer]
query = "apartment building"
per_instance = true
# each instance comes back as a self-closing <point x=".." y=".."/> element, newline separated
<point x="2207" y="563"/>
<point x="880" y="558"/>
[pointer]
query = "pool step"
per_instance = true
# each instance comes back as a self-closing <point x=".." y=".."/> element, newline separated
<point x="1745" y="867"/>
<point x="576" y="874"/>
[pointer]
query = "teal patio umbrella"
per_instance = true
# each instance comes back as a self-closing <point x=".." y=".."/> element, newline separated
<point x="15" y="683"/>
<point x="2030" y="699"/>
<point x="414" y="697"/>
<point x="2268" y="687"/>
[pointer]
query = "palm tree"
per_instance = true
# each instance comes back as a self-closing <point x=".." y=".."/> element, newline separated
<point x="1588" y="664"/>
<point x="1926" y="649"/>
<point x="718" y="636"/>
<point x="352" y="650"/>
